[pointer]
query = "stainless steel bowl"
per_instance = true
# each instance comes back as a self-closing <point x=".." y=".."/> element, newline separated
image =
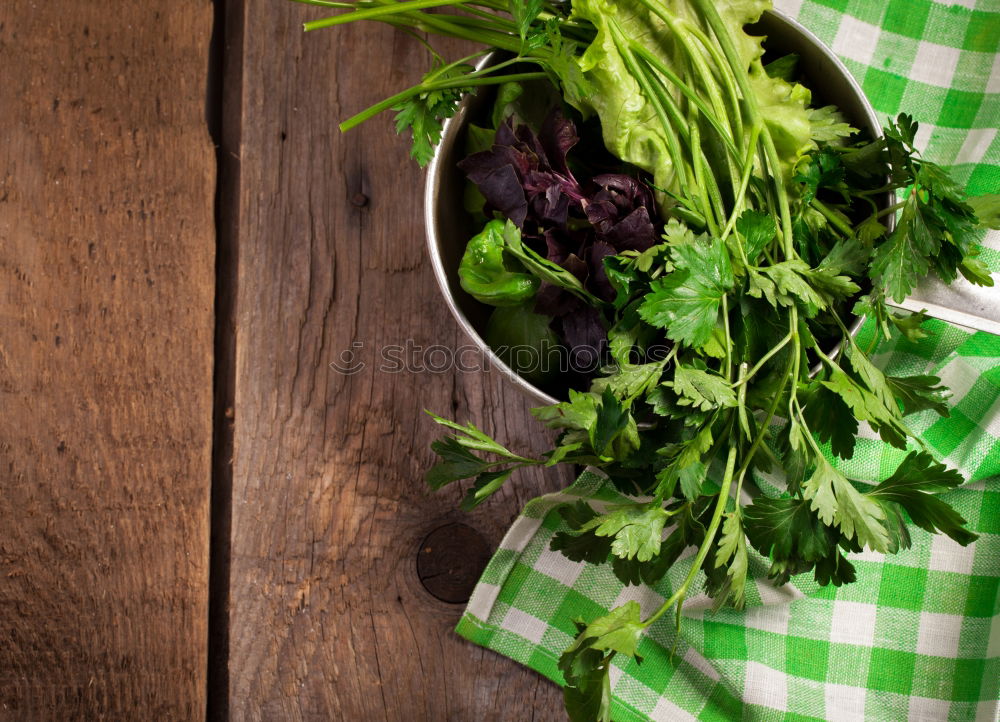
<point x="448" y="224"/>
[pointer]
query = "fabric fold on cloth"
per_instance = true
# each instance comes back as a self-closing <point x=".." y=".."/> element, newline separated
<point x="917" y="636"/>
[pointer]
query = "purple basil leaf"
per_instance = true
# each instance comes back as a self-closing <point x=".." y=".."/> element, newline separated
<point x="635" y="232"/>
<point x="629" y="192"/>
<point x="585" y="337"/>
<point x="503" y="192"/>
<point x="598" y="282"/>
<point x="556" y="246"/>
<point x="577" y="266"/>
<point x="557" y="136"/>
<point x="555" y="302"/>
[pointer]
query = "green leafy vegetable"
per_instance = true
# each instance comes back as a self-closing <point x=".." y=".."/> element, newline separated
<point x="837" y="502"/>
<point x="487" y="276"/>
<point x="778" y="225"/>
<point x="422" y="113"/>
<point x="636" y="530"/>
<point x="525" y="342"/>
<point x="687" y="302"/>
<point x="913" y="487"/>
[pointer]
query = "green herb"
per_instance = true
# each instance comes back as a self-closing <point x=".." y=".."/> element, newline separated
<point x="779" y="215"/>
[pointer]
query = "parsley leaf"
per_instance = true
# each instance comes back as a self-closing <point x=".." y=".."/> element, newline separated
<point x="831" y="420"/>
<point x="786" y="284"/>
<point x="909" y="324"/>
<point x="913" y="486"/>
<point x="589" y="698"/>
<point x="898" y="264"/>
<point x="829" y="125"/>
<point x="758" y="230"/>
<point x="796" y="540"/>
<point x="903" y="130"/>
<point x="821" y="169"/>
<point x="612" y="419"/>
<point x="686" y="302"/>
<point x="637" y="530"/>
<point x="618" y="631"/>
<point x="700" y="389"/>
<point x="630" y="380"/>
<point x="579" y="545"/>
<point x="732" y="554"/>
<point x="580" y="412"/>
<point x="837" y="502"/>
<point x="848" y="255"/>
<point x="472" y="438"/>
<point x="423" y="113"/>
<point x="689" y="532"/>
<point x="918" y="393"/>
<point x="484" y="486"/>
<point x="586" y="663"/>
<point x="868" y="407"/>
<point x="987" y="209"/>
<point x="456" y="463"/>
<point x="524" y="13"/>
<point x="687" y="467"/>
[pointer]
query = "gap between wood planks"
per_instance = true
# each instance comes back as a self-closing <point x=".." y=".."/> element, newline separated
<point x="224" y="118"/>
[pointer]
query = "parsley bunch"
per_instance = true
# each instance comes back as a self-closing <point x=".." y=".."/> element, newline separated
<point x="732" y="355"/>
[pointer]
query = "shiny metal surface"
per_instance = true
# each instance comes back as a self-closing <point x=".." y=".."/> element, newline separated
<point x="448" y="227"/>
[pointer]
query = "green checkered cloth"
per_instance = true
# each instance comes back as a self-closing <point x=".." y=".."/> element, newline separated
<point x="917" y="636"/>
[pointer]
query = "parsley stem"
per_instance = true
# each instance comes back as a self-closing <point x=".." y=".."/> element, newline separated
<point x="891" y="209"/>
<point x="700" y="181"/>
<point x="466" y="81"/>
<point x="808" y="433"/>
<point x="766" y="423"/>
<point x="729" y="339"/>
<point x="714" y="20"/>
<point x="876" y="191"/>
<point x="796" y="358"/>
<point x="764" y="359"/>
<point x="713" y="526"/>
<point x="686" y="90"/>
<point x="662" y="104"/>
<point x="445" y="68"/>
<point x="834" y="219"/>
<point x="373" y="13"/>
<point x="744" y="181"/>
<point x="741" y="408"/>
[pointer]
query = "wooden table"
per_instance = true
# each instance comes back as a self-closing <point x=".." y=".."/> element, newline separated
<point x="198" y="514"/>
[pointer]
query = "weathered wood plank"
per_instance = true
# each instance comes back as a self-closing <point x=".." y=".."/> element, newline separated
<point x="107" y="177"/>
<point x="328" y="618"/>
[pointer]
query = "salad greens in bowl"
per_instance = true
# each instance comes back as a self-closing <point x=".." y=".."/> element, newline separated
<point x="702" y="220"/>
<point x="542" y="345"/>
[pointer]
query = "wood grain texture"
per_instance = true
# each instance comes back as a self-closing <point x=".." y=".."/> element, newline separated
<point x="107" y="178"/>
<point x="328" y="619"/>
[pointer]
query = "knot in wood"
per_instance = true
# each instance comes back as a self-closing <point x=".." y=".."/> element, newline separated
<point x="450" y="560"/>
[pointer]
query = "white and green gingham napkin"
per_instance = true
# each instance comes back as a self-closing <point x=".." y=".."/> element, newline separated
<point x="917" y="636"/>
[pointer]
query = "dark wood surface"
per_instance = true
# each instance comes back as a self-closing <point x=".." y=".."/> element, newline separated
<point x="328" y="617"/>
<point x="107" y="246"/>
<point x="336" y="576"/>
